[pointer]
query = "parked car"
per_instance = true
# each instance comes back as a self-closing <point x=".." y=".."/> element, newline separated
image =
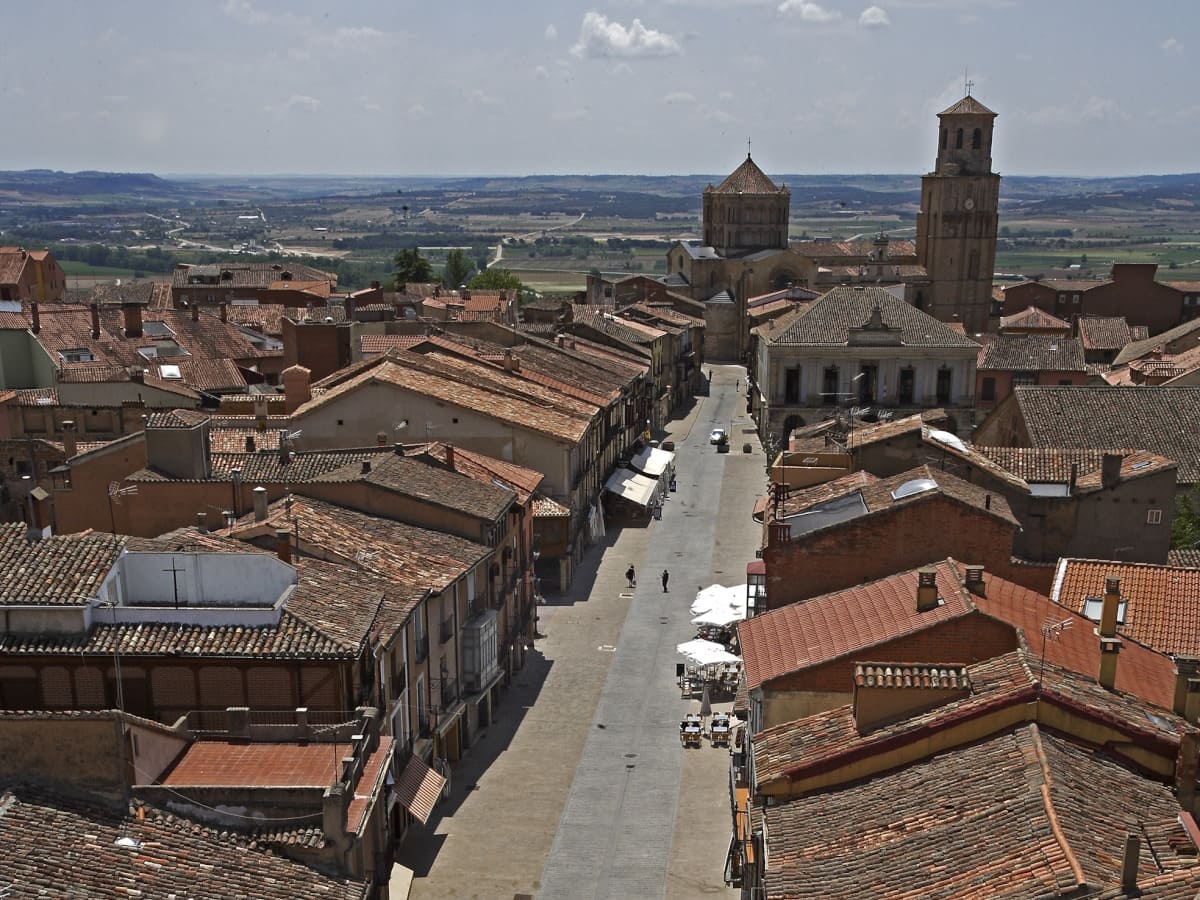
<point x="717" y="436"/>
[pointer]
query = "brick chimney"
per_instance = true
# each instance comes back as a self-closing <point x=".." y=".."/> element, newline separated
<point x="973" y="580"/>
<point x="297" y="387"/>
<point x="449" y="456"/>
<point x="195" y="311"/>
<point x="260" y="503"/>
<point x="95" y="321"/>
<point x="1110" y="648"/>
<point x="283" y="544"/>
<point x="1186" y="764"/>
<point x="224" y="311"/>
<point x="35" y="313"/>
<point x="509" y="364"/>
<point x="1112" y="603"/>
<point x="250" y="446"/>
<point x="70" y="444"/>
<point x="133" y="319"/>
<point x="1129" y="863"/>
<point x="927" y="592"/>
<point x="202" y="522"/>
<point x="381" y="439"/>
<point x="1110" y="470"/>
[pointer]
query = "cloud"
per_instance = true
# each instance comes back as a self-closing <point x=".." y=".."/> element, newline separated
<point x="301" y="102"/>
<point x="725" y="96"/>
<point x="244" y="11"/>
<point x="874" y="17"/>
<point x="808" y="11"/>
<point x="598" y="37"/>
<point x="369" y="105"/>
<point x="622" y="68"/>
<point x="359" y="34"/>
<point x="540" y="72"/>
<point x="551" y="32"/>
<point x="1094" y="109"/>
<point x="1170" y="45"/>
<point x="417" y="111"/>
<point x="678" y="97"/>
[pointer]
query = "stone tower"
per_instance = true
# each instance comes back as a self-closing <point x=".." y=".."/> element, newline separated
<point x="746" y="213"/>
<point x="956" y="227"/>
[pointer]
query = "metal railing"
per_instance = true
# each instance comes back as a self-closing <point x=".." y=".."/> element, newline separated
<point x="449" y="692"/>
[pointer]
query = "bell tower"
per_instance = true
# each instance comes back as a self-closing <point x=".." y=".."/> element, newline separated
<point x="956" y="226"/>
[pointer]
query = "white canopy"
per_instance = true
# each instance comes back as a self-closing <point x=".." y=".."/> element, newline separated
<point x="653" y="461"/>
<point x="706" y="653"/>
<point x="720" y="618"/>
<point x="718" y="598"/>
<point x="632" y="486"/>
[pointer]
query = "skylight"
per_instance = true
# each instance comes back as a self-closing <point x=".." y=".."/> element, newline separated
<point x="949" y="439"/>
<point x="915" y="486"/>
<point x="1094" y="606"/>
<point x="170" y="371"/>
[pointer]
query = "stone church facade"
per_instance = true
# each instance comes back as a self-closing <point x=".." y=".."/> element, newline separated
<point x="948" y="273"/>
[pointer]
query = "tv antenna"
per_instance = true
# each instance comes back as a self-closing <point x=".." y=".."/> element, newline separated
<point x="1050" y="630"/>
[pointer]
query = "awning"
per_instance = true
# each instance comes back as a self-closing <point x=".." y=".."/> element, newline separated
<point x="631" y="486"/>
<point x="653" y="461"/>
<point x="419" y="788"/>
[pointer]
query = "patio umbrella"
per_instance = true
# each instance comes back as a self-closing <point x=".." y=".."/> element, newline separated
<point x="709" y="598"/>
<point x="705" y="704"/>
<point x="706" y="653"/>
<point x="720" y="618"/>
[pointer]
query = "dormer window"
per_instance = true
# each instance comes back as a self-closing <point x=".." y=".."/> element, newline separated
<point x="77" y="355"/>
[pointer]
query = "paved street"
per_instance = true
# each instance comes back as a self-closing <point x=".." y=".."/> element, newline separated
<point x="580" y="788"/>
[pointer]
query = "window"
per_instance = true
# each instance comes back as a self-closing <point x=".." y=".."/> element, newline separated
<point x="829" y="386"/>
<point x="1093" y="607"/>
<point x="1154" y="517"/>
<point x="977" y="139"/>
<point x="958" y="140"/>
<point x="907" y="383"/>
<point x="945" y="137"/>
<point x="791" y="386"/>
<point x="988" y="391"/>
<point x="1065" y="382"/>
<point x="77" y="355"/>
<point x="1024" y="378"/>
<point x="943" y="385"/>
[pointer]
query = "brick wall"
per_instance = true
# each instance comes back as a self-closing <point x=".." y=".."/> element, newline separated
<point x="965" y="640"/>
<point x="875" y="546"/>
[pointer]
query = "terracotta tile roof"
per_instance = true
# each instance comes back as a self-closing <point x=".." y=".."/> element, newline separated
<point x="802" y="635"/>
<point x="37" y="397"/>
<point x="819" y="250"/>
<point x="1104" y="332"/>
<point x="61" y="570"/>
<point x="382" y="343"/>
<point x="832" y="626"/>
<point x="827" y="322"/>
<point x="176" y="418"/>
<point x="413" y="558"/>
<point x="1037" y="465"/>
<point x="1160" y="419"/>
<point x="12" y="264"/>
<point x="251" y="275"/>
<point x="1181" y="337"/>
<point x="1189" y="557"/>
<point x="747" y="178"/>
<point x="206" y="764"/>
<point x="54" y="842"/>
<point x="1023" y="813"/>
<point x="877" y="494"/>
<point x="1162" y="603"/>
<point x="330" y="615"/>
<point x="233" y="440"/>
<point x="1033" y="317"/>
<point x="427" y="479"/>
<point x="627" y="330"/>
<point x="1135" y="464"/>
<point x="904" y="676"/>
<point x="549" y="508"/>
<point x="267" y="468"/>
<point x="522" y="480"/>
<point x="968" y="106"/>
<point x="465" y="386"/>
<point x="1032" y="352"/>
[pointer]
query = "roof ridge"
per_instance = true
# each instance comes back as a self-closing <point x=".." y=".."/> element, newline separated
<point x="1048" y="805"/>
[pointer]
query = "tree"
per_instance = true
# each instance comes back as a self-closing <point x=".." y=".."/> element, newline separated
<point x="412" y="267"/>
<point x="495" y="280"/>
<point x="458" y="268"/>
<point x="1185" y="530"/>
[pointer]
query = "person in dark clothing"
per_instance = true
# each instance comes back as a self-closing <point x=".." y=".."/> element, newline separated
<point x="630" y="576"/>
<point x="666" y="577"/>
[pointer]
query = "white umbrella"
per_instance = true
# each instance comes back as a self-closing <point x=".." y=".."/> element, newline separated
<point x="710" y="597"/>
<point x="720" y="618"/>
<point x="706" y="653"/>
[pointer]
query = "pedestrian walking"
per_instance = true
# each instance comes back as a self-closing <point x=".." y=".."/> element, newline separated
<point x="666" y="577"/>
<point x="630" y="576"/>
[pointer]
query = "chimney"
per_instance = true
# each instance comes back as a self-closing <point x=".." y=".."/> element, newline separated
<point x="202" y="522"/>
<point x="927" y="592"/>
<point x="260" y="504"/>
<point x="1185" y="770"/>
<point x="1129" y="863"/>
<point x="133" y="319"/>
<point x="297" y="388"/>
<point x="224" y="311"/>
<point x="260" y="413"/>
<point x="1186" y="668"/>
<point x="1110" y="470"/>
<point x="398" y="448"/>
<point x="195" y="311"/>
<point x="508" y="360"/>
<point x="283" y="544"/>
<point x="95" y="321"/>
<point x="381" y="438"/>
<point x="450" y="456"/>
<point x="137" y="374"/>
<point x="973" y="579"/>
<point x="1191" y="707"/>
<point x="1110" y="647"/>
<point x="366" y="467"/>
<point x="1074" y="475"/>
<point x="285" y="450"/>
<point x="70" y="445"/>
<point x="250" y="448"/>
<point x="37" y="316"/>
<point x="1108" y="611"/>
<point x="561" y="340"/>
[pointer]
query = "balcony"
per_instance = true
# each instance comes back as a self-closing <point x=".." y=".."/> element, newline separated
<point x="449" y="692"/>
<point x="398" y="683"/>
<point x="421" y="653"/>
<point x="447" y="630"/>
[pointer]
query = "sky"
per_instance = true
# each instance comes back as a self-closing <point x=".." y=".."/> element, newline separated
<point x="655" y="87"/>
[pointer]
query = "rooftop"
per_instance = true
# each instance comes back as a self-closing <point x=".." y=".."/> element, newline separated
<point x="747" y="178"/>
<point x="1032" y="352"/>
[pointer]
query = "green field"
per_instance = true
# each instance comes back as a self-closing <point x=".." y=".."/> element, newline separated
<point x="73" y="267"/>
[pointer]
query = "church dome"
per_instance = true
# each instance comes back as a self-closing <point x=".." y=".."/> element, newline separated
<point x="747" y="178"/>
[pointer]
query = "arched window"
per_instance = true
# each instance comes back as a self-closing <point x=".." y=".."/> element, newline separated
<point x="958" y="140"/>
<point x="945" y="137"/>
<point x="977" y="139"/>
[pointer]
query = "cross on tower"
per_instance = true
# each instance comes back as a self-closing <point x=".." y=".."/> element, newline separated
<point x="967" y="83"/>
<point x="747" y="148"/>
<point x="174" y="579"/>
